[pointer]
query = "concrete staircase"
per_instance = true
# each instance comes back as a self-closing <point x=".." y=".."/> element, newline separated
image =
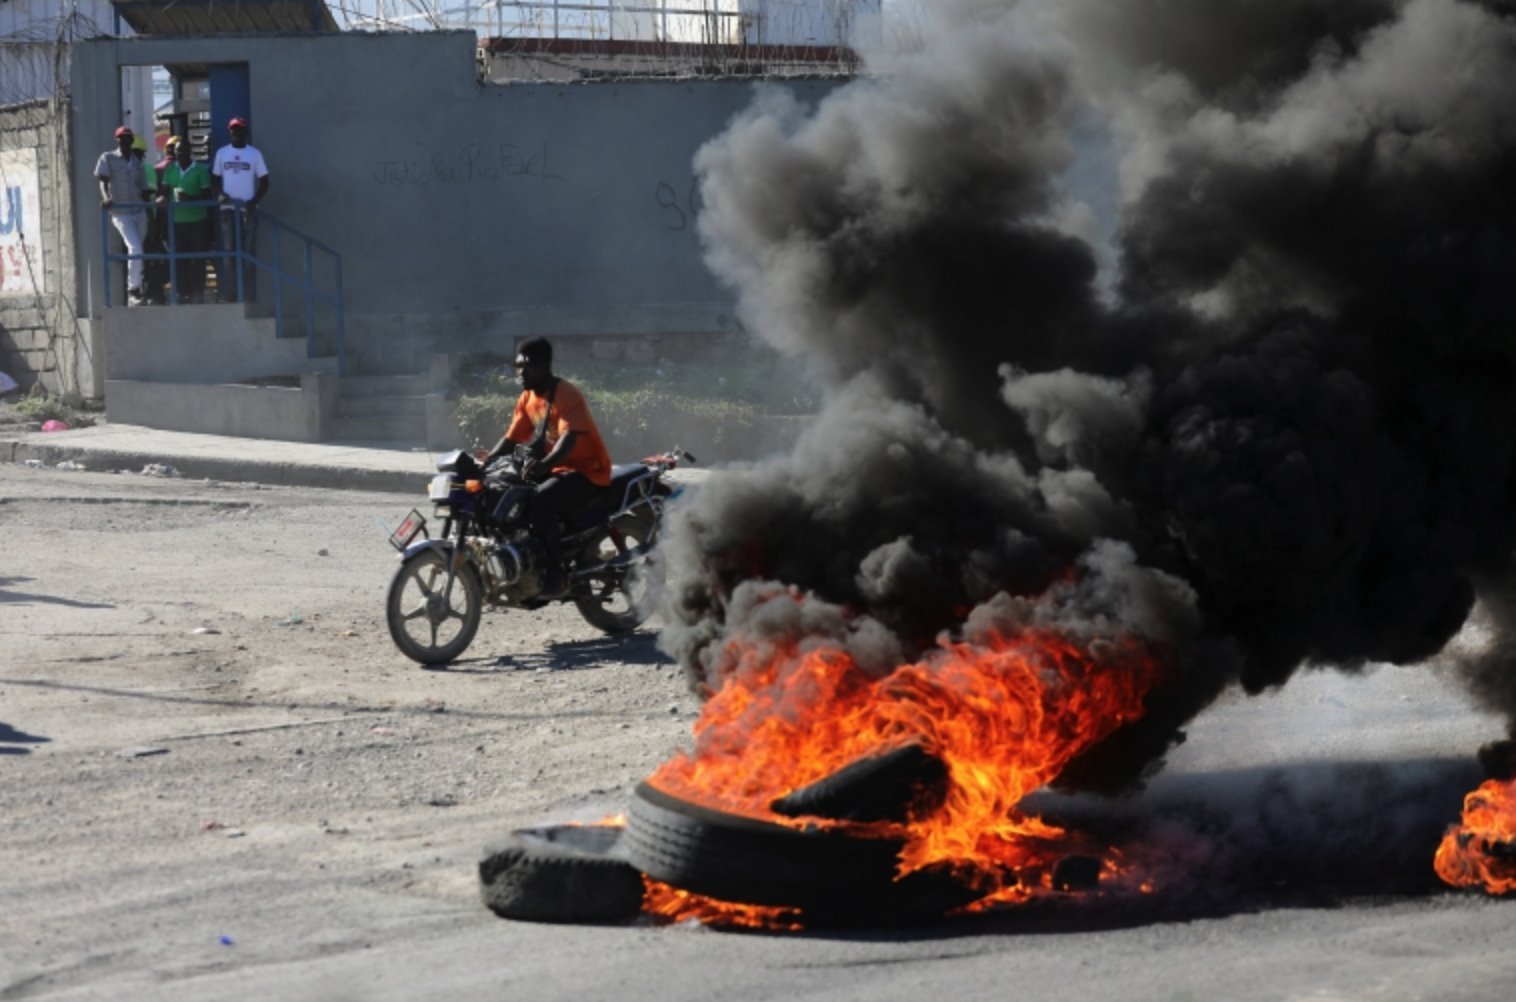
<point x="388" y="409"/>
<point x="221" y="370"/>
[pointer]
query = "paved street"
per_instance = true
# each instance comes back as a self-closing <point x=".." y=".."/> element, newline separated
<point x="221" y="781"/>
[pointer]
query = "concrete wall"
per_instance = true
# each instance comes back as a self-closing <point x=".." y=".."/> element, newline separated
<point x="287" y="414"/>
<point x="200" y="344"/>
<point x="467" y="214"/>
<point x="42" y="339"/>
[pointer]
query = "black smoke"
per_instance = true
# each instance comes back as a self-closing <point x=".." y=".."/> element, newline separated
<point x="1282" y="430"/>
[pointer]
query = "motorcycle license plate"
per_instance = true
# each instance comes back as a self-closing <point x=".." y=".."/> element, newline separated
<point x="412" y="526"/>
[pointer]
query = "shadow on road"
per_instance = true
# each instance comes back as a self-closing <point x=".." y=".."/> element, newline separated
<point x="10" y="737"/>
<point x="637" y="649"/>
<point x="21" y="597"/>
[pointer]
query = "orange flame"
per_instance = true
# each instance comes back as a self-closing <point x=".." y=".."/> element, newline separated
<point x="1005" y="715"/>
<point x="1481" y="852"/>
<point x="669" y="902"/>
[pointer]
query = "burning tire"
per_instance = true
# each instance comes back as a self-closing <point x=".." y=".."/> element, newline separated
<point x="832" y="876"/>
<point x="562" y="873"/>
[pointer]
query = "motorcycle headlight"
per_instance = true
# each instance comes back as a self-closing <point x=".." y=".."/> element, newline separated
<point x="441" y="487"/>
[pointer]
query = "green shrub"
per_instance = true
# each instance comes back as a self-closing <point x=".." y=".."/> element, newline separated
<point x="42" y="408"/>
<point x="716" y="411"/>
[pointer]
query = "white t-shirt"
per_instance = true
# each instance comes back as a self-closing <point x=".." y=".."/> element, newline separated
<point x="239" y="170"/>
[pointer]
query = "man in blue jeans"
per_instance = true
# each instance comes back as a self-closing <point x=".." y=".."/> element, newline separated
<point x="241" y="179"/>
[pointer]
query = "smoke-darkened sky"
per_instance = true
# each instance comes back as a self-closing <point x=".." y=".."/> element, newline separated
<point x="1279" y="426"/>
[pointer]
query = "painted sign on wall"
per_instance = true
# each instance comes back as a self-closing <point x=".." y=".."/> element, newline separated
<point x="21" y="271"/>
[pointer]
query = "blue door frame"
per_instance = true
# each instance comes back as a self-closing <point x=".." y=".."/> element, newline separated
<point x="231" y="97"/>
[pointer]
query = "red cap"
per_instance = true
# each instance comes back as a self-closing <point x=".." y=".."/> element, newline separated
<point x="237" y="123"/>
<point x="123" y="131"/>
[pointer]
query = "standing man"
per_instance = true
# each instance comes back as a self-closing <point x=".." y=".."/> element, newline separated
<point x="122" y="180"/>
<point x="241" y="179"/>
<point x="185" y="179"/>
<point x="569" y="461"/>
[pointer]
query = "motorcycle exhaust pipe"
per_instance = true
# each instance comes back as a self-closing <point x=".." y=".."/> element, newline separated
<point x="620" y="561"/>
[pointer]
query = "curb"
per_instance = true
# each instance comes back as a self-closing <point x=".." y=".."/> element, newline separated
<point x="229" y="470"/>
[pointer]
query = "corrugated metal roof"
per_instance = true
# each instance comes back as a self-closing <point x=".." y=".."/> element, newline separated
<point x="226" y="17"/>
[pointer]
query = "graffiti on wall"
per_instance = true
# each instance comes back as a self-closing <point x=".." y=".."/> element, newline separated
<point x="20" y="225"/>
<point x="679" y="211"/>
<point x="468" y="164"/>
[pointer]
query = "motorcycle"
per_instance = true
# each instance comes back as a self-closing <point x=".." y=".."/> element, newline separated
<point x="486" y="554"/>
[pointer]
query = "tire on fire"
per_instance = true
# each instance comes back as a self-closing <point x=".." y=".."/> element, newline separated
<point x="561" y="873"/>
<point x="831" y="876"/>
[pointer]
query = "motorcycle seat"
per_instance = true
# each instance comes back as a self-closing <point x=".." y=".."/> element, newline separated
<point x="624" y="473"/>
<point x="608" y="498"/>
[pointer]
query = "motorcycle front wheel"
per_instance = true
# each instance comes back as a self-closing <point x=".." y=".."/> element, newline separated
<point x="618" y="598"/>
<point x="427" y="626"/>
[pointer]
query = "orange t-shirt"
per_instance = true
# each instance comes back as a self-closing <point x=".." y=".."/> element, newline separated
<point x="570" y="412"/>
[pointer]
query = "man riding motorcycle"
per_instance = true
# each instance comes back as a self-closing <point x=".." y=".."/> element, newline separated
<point x="568" y="460"/>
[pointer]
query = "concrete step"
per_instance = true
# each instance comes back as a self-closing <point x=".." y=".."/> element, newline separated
<point x="394" y="428"/>
<point x="379" y="406"/>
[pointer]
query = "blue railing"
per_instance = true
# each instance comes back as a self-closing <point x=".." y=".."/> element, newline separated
<point x="305" y="282"/>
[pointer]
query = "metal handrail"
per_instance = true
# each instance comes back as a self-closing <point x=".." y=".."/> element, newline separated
<point x="304" y="282"/>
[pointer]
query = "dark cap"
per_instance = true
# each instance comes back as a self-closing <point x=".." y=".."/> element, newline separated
<point x="534" y="351"/>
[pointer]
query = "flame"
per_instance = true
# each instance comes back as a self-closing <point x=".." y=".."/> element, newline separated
<point x="1481" y="852"/>
<point x="617" y="820"/>
<point x="1004" y="714"/>
<point x="666" y="901"/>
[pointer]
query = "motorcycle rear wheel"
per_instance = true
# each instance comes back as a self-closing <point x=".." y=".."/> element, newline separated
<point x="618" y="599"/>
<point x="418" y="615"/>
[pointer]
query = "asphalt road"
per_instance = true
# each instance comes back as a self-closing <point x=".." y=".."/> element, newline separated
<point x="220" y="781"/>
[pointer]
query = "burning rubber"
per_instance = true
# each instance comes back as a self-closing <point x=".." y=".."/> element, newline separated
<point x="561" y="873"/>
<point x="830" y="877"/>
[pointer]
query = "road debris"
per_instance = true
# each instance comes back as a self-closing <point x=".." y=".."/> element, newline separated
<point x="142" y="752"/>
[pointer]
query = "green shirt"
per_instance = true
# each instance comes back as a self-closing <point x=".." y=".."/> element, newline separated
<point x="189" y="184"/>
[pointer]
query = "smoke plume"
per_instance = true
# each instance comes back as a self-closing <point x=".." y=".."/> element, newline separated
<point x="1281" y="429"/>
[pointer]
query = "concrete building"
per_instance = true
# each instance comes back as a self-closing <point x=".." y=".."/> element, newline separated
<point x="465" y="215"/>
<point x="41" y="337"/>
